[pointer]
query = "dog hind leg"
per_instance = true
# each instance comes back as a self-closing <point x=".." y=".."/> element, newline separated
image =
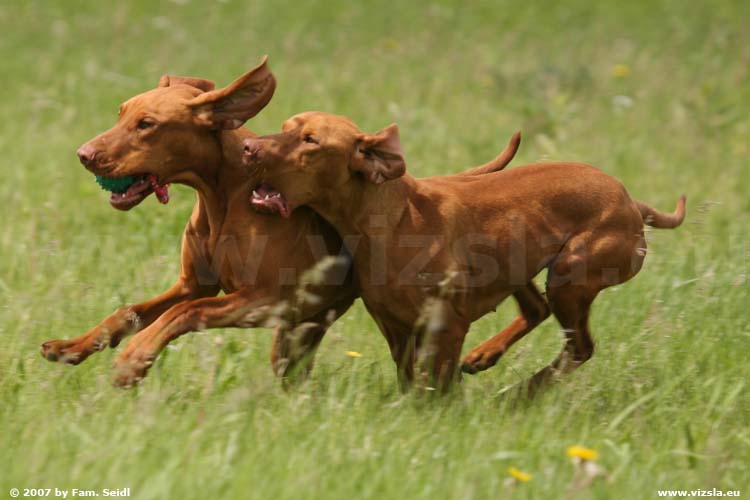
<point x="534" y="309"/>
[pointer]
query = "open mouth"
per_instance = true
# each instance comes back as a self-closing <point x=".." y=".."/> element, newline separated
<point x="267" y="200"/>
<point x="129" y="191"/>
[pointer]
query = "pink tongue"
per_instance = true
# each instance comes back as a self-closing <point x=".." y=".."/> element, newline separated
<point x="161" y="192"/>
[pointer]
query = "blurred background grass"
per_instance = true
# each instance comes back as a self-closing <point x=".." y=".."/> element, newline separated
<point x="654" y="92"/>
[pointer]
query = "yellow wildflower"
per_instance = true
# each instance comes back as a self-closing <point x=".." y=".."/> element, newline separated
<point x="354" y="354"/>
<point x="391" y="44"/>
<point x="582" y="453"/>
<point x="621" y="70"/>
<point x="519" y="475"/>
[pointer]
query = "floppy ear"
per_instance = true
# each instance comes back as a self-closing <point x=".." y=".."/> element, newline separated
<point x="199" y="83"/>
<point x="379" y="157"/>
<point x="230" y="107"/>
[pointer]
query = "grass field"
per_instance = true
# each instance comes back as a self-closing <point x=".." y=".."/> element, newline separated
<point x="656" y="93"/>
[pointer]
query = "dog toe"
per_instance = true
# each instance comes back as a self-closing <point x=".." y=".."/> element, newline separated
<point x="468" y="368"/>
<point x="476" y="362"/>
<point x="131" y="370"/>
<point x="63" y="352"/>
<point x="48" y="351"/>
<point x="125" y="379"/>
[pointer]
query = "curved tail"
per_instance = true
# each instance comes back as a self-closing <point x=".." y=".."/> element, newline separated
<point x="655" y="218"/>
<point x="500" y="161"/>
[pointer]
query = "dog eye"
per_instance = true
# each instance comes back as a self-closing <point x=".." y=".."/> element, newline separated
<point x="144" y="124"/>
<point x="309" y="139"/>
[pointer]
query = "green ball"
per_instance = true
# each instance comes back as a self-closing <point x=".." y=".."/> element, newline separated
<point x="115" y="185"/>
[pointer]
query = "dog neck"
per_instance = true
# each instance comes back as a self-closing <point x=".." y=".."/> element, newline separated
<point x="380" y="209"/>
<point x="220" y="177"/>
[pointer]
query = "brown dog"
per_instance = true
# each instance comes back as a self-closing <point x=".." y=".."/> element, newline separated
<point x="433" y="255"/>
<point x="186" y="132"/>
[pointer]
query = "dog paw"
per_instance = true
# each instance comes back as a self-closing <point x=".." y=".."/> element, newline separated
<point x="475" y="362"/>
<point x="131" y="370"/>
<point x="65" y="351"/>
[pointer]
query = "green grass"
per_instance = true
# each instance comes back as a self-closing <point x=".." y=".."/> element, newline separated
<point x="665" y="398"/>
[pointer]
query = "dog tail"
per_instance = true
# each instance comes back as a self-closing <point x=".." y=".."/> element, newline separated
<point x="655" y="218"/>
<point x="500" y="161"/>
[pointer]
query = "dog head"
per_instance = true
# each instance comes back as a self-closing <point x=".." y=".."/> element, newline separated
<point x="170" y="133"/>
<point x="318" y="155"/>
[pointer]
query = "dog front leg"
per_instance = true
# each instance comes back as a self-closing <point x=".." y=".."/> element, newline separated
<point x="293" y="349"/>
<point x="234" y="310"/>
<point x="440" y="337"/>
<point x="124" y="321"/>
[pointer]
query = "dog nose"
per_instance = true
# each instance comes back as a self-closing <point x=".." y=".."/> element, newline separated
<point x="87" y="154"/>
<point x="250" y="145"/>
<point x="250" y="149"/>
